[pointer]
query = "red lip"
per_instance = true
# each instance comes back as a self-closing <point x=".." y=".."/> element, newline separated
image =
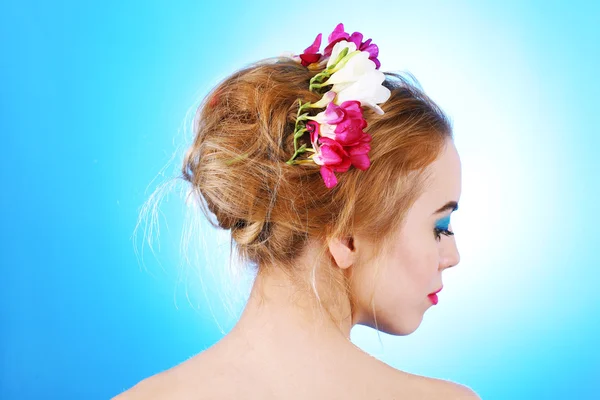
<point x="433" y="298"/>
<point x="437" y="291"/>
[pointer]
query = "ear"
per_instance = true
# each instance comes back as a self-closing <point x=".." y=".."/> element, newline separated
<point x="343" y="251"/>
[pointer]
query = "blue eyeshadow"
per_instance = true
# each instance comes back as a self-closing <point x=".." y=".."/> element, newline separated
<point x="443" y="223"/>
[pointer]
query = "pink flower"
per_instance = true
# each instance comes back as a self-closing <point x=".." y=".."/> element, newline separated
<point x="367" y="46"/>
<point x="311" y="53"/>
<point x="332" y="156"/>
<point x="339" y="34"/>
<point x="329" y="154"/>
<point x="358" y="152"/>
<point x="343" y="123"/>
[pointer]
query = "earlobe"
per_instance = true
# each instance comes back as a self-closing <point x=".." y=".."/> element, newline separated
<point x="343" y="251"/>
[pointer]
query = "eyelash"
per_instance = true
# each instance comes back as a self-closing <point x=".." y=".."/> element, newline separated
<point x="439" y="232"/>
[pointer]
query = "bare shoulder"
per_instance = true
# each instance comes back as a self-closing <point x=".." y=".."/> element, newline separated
<point x="458" y="391"/>
<point x="426" y="387"/>
<point x="211" y="375"/>
<point x="175" y="383"/>
<point x="156" y="387"/>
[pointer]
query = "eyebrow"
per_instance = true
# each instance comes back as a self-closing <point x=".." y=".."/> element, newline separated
<point x="451" y="205"/>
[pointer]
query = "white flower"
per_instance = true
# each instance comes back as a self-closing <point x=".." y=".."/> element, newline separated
<point x="337" y="49"/>
<point x="358" y="65"/>
<point x="360" y="80"/>
<point x="326" y="99"/>
<point x="368" y="90"/>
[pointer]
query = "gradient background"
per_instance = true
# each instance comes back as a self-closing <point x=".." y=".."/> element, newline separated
<point x="95" y="102"/>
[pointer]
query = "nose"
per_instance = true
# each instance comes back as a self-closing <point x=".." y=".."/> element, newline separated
<point x="450" y="255"/>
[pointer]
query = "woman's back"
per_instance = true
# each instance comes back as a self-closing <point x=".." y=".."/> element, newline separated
<point x="218" y="373"/>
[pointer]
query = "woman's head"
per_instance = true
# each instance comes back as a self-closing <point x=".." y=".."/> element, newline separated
<point x="391" y="285"/>
<point x="237" y="169"/>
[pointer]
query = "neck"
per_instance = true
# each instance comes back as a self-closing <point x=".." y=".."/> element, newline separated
<point x="278" y="311"/>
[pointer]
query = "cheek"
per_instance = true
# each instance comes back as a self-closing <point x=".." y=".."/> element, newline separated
<point x="412" y="269"/>
<point x="406" y="273"/>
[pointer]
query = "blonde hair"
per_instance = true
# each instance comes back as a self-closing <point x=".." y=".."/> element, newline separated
<point x="237" y="172"/>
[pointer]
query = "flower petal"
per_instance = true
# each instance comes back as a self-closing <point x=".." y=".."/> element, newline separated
<point x="329" y="155"/>
<point x="354" y="69"/>
<point x="373" y="50"/>
<point x="308" y="59"/>
<point x="361" y="161"/>
<point x="328" y="177"/>
<point x="328" y="131"/>
<point x="311" y="53"/>
<point x="337" y="35"/>
<point x="352" y="108"/>
<point x="338" y="48"/>
<point x="356" y="38"/>
<point x="368" y="90"/>
<point x="314" y="48"/>
<point x="359" y="149"/>
<point x="325" y="100"/>
<point x="334" y="113"/>
<point x="342" y="166"/>
<point x="313" y="128"/>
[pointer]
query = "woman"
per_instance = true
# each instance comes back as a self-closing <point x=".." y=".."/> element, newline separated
<point x="337" y="182"/>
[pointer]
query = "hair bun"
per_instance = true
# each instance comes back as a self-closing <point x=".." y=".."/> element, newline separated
<point x="244" y="135"/>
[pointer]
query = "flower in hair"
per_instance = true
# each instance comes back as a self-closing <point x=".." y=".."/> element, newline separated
<point x="348" y="79"/>
<point x="343" y="124"/>
<point x="338" y="35"/>
<point x="333" y="156"/>
<point x="311" y="53"/>
<point x="359" y="80"/>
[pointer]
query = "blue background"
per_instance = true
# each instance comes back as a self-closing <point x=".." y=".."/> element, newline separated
<point x="96" y="103"/>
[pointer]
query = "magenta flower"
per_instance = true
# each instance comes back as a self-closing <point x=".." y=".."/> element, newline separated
<point x="358" y="152"/>
<point x="337" y="133"/>
<point x="343" y="123"/>
<point x="329" y="154"/>
<point x="339" y="34"/>
<point x="332" y="156"/>
<point x="311" y="53"/>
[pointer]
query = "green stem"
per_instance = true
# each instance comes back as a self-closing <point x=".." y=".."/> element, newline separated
<point x="300" y="133"/>
<point x="304" y="107"/>
<point x="304" y="162"/>
<point x="301" y="150"/>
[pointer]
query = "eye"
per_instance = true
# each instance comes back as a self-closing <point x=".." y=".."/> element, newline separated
<point x="439" y="232"/>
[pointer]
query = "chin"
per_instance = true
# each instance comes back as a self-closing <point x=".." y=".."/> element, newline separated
<point x="397" y="327"/>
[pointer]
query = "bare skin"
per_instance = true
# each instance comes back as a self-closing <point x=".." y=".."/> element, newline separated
<point x="283" y="347"/>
